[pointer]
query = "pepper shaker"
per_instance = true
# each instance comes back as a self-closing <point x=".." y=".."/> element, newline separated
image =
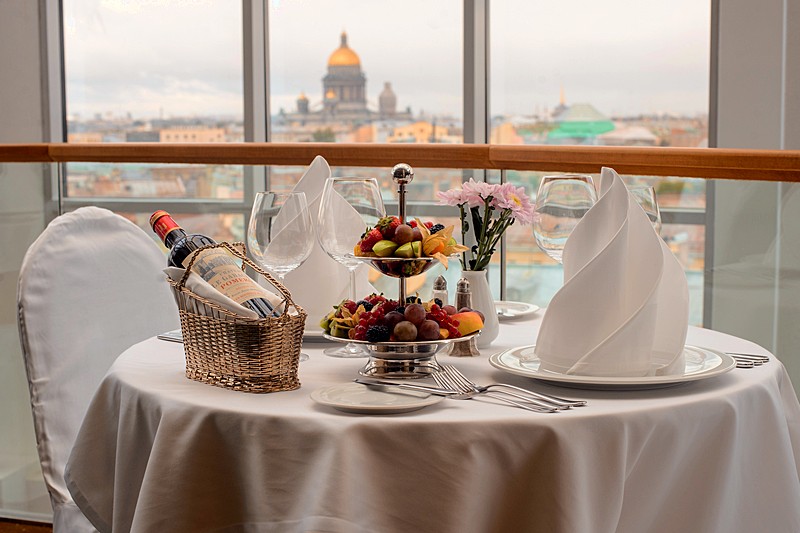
<point x="440" y="290"/>
<point x="465" y="348"/>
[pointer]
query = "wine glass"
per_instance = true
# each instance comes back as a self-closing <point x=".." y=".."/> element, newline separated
<point x="348" y="206"/>
<point x="560" y="204"/>
<point x="646" y="198"/>
<point x="280" y="235"/>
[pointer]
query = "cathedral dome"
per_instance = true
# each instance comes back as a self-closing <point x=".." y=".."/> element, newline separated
<point x="344" y="55"/>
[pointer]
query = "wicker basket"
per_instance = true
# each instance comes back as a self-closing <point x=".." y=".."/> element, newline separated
<point x="230" y="351"/>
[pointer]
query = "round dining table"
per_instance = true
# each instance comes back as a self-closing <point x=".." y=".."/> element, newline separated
<point x="158" y="452"/>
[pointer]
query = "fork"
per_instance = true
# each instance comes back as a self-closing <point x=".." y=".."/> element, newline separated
<point x="459" y="379"/>
<point x="445" y="383"/>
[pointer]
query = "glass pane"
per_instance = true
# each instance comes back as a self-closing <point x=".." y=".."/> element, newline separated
<point x="167" y="71"/>
<point x="373" y="72"/>
<point x="609" y="73"/>
<point x="23" y="493"/>
<point x="154" y="180"/>
<point x="228" y="227"/>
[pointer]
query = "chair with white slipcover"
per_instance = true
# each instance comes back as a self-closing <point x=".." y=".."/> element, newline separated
<point x="90" y="286"/>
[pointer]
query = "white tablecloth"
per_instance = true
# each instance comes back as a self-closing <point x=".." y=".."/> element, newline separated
<point x="160" y="453"/>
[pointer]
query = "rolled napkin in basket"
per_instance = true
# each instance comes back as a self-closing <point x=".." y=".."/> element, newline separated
<point x="624" y="307"/>
<point x="202" y="288"/>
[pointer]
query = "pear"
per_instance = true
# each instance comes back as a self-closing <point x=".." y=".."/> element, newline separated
<point x="384" y="248"/>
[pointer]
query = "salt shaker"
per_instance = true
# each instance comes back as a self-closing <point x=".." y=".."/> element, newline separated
<point x="465" y="348"/>
<point x="440" y="290"/>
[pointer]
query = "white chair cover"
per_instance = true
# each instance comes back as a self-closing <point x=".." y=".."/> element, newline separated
<point x="90" y="286"/>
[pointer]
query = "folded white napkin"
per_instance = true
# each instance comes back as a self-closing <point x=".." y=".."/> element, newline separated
<point x="624" y="306"/>
<point x="201" y="287"/>
<point x="321" y="282"/>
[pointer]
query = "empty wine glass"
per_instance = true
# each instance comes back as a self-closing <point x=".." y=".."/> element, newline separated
<point x="646" y="198"/>
<point x="560" y="204"/>
<point x="280" y="235"/>
<point x="348" y="206"/>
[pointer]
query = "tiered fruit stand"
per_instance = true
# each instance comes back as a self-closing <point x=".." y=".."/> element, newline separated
<point x="401" y="360"/>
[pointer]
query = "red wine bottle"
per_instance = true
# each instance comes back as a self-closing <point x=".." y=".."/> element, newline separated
<point x="215" y="265"/>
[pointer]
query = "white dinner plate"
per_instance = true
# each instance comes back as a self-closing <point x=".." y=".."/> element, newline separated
<point x="701" y="363"/>
<point x="513" y="310"/>
<point x="360" y="399"/>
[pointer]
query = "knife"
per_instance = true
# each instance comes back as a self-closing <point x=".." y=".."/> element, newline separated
<point x="371" y="382"/>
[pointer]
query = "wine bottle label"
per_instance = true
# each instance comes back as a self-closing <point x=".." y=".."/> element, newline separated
<point x="221" y="272"/>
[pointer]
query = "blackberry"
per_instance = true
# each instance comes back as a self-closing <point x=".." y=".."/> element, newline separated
<point x="367" y="306"/>
<point x="437" y="301"/>
<point x="377" y="333"/>
<point x="413" y="300"/>
<point x="401" y="309"/>
<point x="436" y="228"/>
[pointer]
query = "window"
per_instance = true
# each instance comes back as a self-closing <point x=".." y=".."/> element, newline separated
<point x="614" y="73"/>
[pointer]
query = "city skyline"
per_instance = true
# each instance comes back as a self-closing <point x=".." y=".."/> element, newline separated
<point x="159" y="59"/>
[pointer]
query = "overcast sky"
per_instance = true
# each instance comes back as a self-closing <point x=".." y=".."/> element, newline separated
<point x="183" y="57"/>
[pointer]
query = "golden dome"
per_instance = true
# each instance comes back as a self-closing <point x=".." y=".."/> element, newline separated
<point x="330" y="95"/>
<point x="344" y="55"/>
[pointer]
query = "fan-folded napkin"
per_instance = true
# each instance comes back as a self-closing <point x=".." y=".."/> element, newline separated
<point x="321" y="282"/>
<point x="624" y="307"/>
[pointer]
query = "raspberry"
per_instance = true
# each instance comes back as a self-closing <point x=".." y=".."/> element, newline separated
<point x="436" y="228"/>
<point x="377" y="334"/>
<point x="387" y="225"/>
<point x="429" y="224"/>
<point x="412" y="223"/>
<point x="369" y="239"/>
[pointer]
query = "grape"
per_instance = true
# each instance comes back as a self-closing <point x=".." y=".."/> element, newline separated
<point x="405" y="331"/>
<point x="392" y="319"/>
<point x="415" y="313"/>
<point x="428" y="331"/>
<point x="483" y="318"/>
<point x="403" y="234"/>
<point x="416" y="234"/>
<point x="464" y="310"/>
<point x="450" y="309"/>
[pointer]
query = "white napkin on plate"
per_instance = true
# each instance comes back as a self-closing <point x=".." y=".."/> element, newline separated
<point x="321" y="282"/>
<point x="624" y="307"/>
<point x="201" y="287"/>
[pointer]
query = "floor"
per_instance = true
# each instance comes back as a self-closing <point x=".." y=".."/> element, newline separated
<point x="17" y="526"/>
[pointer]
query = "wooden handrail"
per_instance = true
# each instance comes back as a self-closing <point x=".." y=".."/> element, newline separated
<point x="759" y="165"/>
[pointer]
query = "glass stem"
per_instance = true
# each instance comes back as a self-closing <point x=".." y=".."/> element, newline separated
<point x="353" y="284"/>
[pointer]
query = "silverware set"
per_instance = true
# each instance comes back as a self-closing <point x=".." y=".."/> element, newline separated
<point x="748" y="360"/>
<point x="452" y="383"/>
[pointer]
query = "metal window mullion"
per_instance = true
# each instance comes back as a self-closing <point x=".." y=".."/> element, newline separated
<point x="256" y="98"/>
<point x="51" y="37"/>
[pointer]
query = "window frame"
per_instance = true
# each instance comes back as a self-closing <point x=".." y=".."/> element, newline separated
<point x="476" y="85"/>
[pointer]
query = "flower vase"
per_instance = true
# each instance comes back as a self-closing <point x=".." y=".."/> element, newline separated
<point x="483" y="301"/>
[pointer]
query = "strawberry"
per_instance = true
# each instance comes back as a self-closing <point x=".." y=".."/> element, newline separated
<point x="350" y="305"/>
<point x="387" y="225"/>
<point x="369" y="239"/>
<point x="429" y="224"/>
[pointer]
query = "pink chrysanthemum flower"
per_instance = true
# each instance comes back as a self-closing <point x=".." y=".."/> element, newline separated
<point x="476" y="192"/>
<point x="453" y="197"/>
<point x="514" y="198"/>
